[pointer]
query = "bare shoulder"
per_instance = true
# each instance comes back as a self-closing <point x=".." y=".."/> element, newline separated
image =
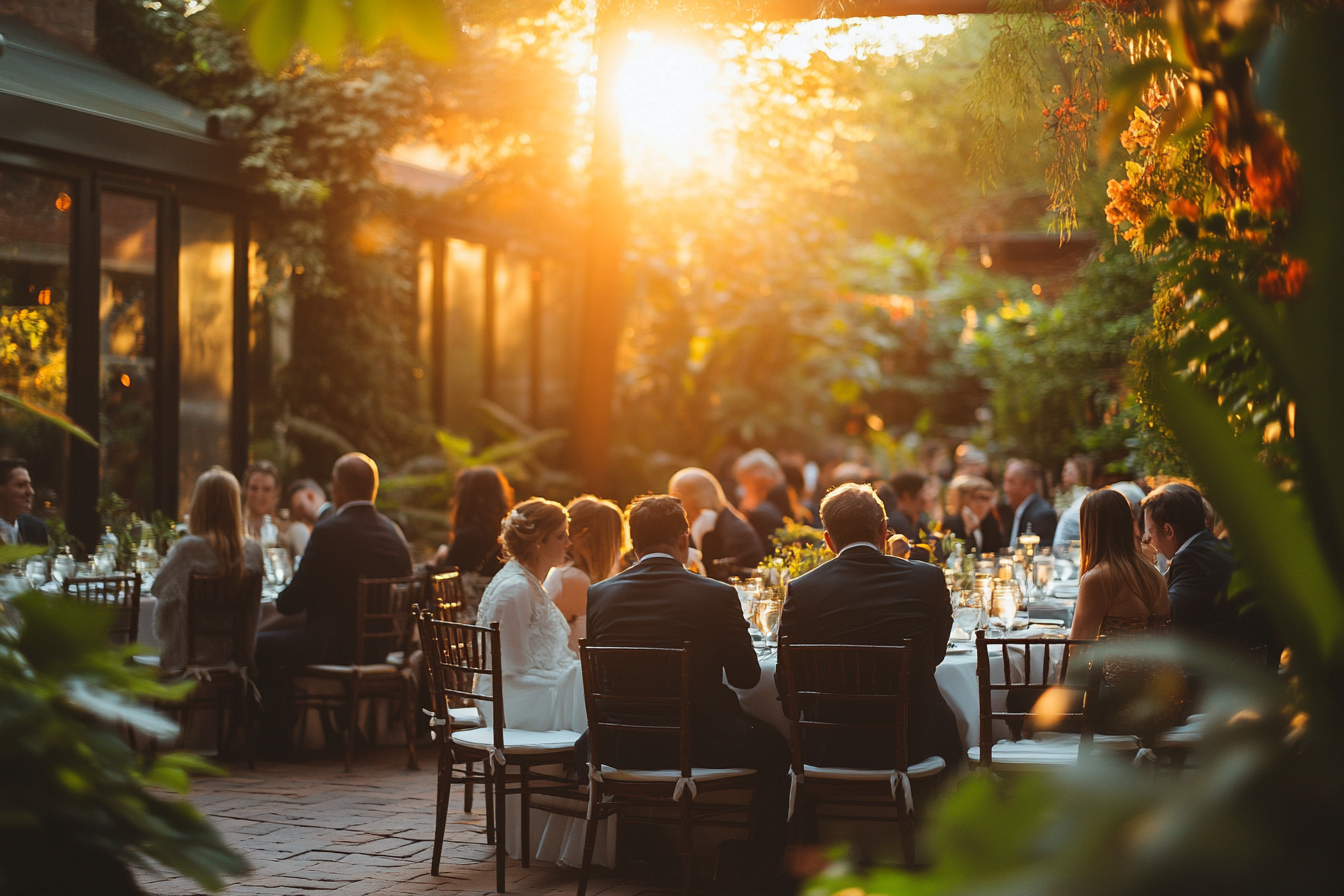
<point x="573" y="577"/>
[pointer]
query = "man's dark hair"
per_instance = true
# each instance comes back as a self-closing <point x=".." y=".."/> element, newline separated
<point x="8" y="465"/>
<point x="655" y="520"/>
<point x="300" y="485"/>
<point x="908" y="482"/>
<point x="852" y="512"/>
<point x="1177" y="503"/>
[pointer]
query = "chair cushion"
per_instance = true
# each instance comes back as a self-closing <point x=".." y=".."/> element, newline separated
<point x="465" y="716"/>
<point x="1052" y="749"/>
<point x="925" y="769"/>
<point x="516" y="740"/>
<point x="672" y="774"/>
<point x="374" y="670"/>
<point x="1187" y="735"/>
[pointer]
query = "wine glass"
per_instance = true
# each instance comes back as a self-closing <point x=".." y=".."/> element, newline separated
<point x="104" y="563"/>
<point x="35" y="570"/>
<point x="767" y="616"/>
<point x="63" y="568"/>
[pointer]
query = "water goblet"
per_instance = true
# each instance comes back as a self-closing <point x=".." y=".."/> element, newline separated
<point x="35" y="570"/>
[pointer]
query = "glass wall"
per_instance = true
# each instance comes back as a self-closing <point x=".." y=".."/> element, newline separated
<point x="205" y="333"/>
<point x="461" y="368"/>
<point x="35" y="228"/>
<point x="128" y="324"/>
<point x="513" y="334"/>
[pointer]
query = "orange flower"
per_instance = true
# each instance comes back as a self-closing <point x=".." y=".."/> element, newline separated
<point x="1286" y="283"/>
<point x="1271" y="171"/>
<point x="1183" y="208"/>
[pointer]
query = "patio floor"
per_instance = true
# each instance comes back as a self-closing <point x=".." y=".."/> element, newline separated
<point x="311" y="828"/>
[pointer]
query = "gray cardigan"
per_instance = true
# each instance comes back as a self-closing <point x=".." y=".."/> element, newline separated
<point x="193" y="554"/>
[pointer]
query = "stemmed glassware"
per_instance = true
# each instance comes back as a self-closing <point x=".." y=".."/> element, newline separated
<point x="35" y="570"/>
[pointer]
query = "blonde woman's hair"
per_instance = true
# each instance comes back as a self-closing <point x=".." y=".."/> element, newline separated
<point x="528" y="524"/>
<point x="596" y="529"/>
<point x="962" y="487"/>
<point x="217" y="516"/>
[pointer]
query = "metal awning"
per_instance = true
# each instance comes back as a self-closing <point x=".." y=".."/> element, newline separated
<point x="55" y="98"/>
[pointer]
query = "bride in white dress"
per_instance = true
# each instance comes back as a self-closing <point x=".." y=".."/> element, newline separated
<point x="543" y="684"/>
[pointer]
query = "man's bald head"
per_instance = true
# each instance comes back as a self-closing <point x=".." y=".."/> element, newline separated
<point x="698" y="490"/>
<point x="354" y="478"/>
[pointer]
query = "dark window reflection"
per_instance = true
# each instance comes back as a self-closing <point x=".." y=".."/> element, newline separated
<point x="128" y="316"/>
<point x="35" y="230"/>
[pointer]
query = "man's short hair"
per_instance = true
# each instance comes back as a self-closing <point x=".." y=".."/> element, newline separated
<point x="852" y="512"/>
<point x="1030" y="467"/>
<point x="302" y="485"/>
<point x="8" y="465"/>
<point x="908" y="482"/>
<point x="759" y="461"/>
<point x="1179" y="504"/>
<point x="655" y="520"/>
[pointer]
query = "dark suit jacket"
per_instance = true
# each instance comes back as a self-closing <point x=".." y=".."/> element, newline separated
<point x="731" y="539"/>
<point x="991" y="535"/>
<point x="865" y="597"/>
<point x="358" y="541"/>
<point x="31" y="529"/>
<point x="1197" y="586"/>
<point x="1039" y="514"/>
<point x="658" y="603"/>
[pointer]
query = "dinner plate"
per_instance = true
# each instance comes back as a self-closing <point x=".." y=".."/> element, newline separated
<point x="959" y="650"/>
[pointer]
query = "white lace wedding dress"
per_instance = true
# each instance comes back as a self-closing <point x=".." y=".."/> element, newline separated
<point x="543" y="691"/>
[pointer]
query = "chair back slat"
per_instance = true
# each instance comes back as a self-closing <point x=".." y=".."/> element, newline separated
<point x="383" y="618"/>
<point x="641" y="694"/>
<point x="446" y="595"/>
<point x="121" y="592"/>
<point x="847" y="688"/>
<point x="217" y="617"/>
<point x="460" y="657"/>
<point x="1082" y="689"/>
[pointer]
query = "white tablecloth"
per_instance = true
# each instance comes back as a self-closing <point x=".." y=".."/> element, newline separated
<point x="955" y="676"/>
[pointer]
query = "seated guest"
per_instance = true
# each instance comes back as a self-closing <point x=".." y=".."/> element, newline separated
<point x="215" y="546"/>
<point x="355" y="541"/>
<point x="971" y="515"/>
<point x="261" y="498"/>
<point x="796" y="493"/>
<point x="1200" y="566"/>
<point x="910" y="512"/>
<point x="17" y="524"/>
<point x="724" y="538"/>
<point x="658" y="603"/>
<point x="1024" y="504"/>
<point x="596" y="533"/>
<point x="761" y="479"/>
<point x="865" y="597"/>
<point x="1074" y="481"/>
<point x="481" y="499"/>
<point x="307" y="504"/>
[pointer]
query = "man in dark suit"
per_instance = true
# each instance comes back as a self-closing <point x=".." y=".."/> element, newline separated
<point x="908" y="512"/>
<point x="866" y="597"/>
<point x="725" y="539"/>
<point x="356" y="541"/>
<point x="17" y="524"/>
<point x="1025" y="506"/>
<point x="1174" y="523"/>
<point x="659" y="603"/>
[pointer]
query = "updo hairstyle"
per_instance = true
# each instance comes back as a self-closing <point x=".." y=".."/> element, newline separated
<point x="528" y="524"/>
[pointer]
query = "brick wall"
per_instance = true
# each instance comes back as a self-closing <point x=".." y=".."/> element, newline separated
<point x="70" y="20"/>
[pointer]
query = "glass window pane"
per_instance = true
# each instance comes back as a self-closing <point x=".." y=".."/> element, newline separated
<point x="35" y="229"/>
<point x="205" y="328"/>
<point x="464" y="287"/>
<point x="513" y="334"/>
<point x="128" y="319"/>
<point x="559" y="348"/>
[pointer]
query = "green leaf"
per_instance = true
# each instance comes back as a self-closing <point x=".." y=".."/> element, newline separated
<point x="1269" y="527"/>
<point x="275" y="30"/>
<point x="324" y="29"/>
<point x="55" y="419"/>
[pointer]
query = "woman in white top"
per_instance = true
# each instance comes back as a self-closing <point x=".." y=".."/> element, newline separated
<point x="596" y="533"/>
<point x="215" y="546"/>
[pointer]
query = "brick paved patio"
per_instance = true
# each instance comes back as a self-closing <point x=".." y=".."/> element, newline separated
<point x="311" y="828"/>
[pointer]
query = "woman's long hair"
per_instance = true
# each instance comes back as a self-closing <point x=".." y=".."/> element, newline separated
<point x="1107" y="529"/>
<point x="217" y="516"/>
<point x="597" y="531"/>
<point x="481" y="499"/>
<point x="528" y="524"/>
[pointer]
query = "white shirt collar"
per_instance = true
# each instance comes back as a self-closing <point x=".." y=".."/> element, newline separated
<point x="9" y="532"/>
<point x="348" y="504"/>
<point x="656" y="554"/>
<point x="703" y="524"/>
<point x="860" y="544"/>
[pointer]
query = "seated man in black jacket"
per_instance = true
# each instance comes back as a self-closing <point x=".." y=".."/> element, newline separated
<point x="659" y="603"/>
<point x="866" y="597"/>
<point x="17" y="524"/>
<point x="353" y="542"/>
<point x="1200" y="565"/>
<point x="725" y="539"/>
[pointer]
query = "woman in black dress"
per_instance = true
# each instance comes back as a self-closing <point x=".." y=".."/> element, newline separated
<point x="482" y="497"/>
